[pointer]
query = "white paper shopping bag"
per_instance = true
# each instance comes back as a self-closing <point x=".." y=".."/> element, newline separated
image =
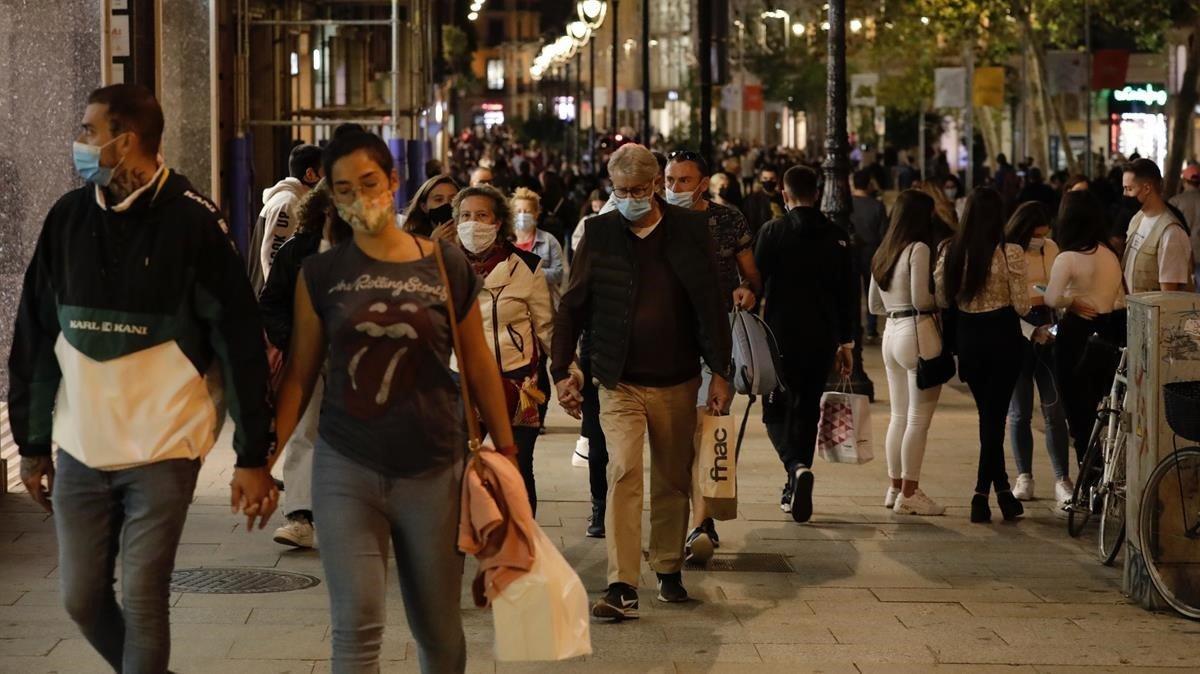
<point x="715" y="458"/>
<point x="543" y="615"/>
<point x="844" y="432"/>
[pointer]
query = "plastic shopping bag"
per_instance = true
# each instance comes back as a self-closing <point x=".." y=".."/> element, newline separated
<point x="715" y="460"/>
<point x="844" y="432"/>
<point x="543" y="615"/>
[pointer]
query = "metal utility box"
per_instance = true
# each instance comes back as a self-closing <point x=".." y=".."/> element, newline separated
<point x="1164" y="347"/>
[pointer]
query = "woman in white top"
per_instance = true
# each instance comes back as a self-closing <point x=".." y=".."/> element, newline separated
<point x="1028" y="227"/>
<point x="1086" y="282"/>
<point x="902" y="289"/>
<point x="984" y="278"/>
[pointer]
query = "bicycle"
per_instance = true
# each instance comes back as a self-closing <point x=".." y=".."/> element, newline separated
<point x="1169" y="519"/>
<point x="1100" y="488"/>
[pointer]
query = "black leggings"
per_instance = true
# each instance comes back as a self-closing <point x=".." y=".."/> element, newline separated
<point x="590" y="429"/>
<point x="1084" y="384"/>
<point x="989" y="361"/>
<point x="791" y="417"/>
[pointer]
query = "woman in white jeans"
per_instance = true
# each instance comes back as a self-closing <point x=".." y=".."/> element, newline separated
<point x="902" y="290"/>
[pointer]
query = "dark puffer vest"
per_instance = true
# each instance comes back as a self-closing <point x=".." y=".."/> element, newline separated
<point x="602" y="290"/>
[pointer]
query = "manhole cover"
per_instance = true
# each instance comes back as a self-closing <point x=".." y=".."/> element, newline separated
<point x="238" y="581"/>
<point x="746" y="562"/>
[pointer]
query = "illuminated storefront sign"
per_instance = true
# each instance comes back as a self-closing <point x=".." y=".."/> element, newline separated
<point x="1147" y="94"/>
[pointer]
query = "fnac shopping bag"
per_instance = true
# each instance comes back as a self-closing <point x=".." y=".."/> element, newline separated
<point x="844" y="432"/>
<point x="543" y="615"/>
<point x="715" y="457"/>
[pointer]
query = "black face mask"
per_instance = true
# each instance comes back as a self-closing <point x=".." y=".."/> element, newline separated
<point x="1131" y="204"/>
<point x="443" y="213"/>
<point x="723" y="193"/>
<point x="769" y="185"/>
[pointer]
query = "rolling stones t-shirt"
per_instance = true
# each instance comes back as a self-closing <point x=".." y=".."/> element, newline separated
<point x="390" y="400"/>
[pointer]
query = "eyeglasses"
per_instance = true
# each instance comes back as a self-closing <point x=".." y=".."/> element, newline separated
<point x="635" y="192"/>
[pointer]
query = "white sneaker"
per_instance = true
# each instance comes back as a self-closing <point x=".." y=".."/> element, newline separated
<point x="889" y="499"/>
<point x="1023" y="490"/>
<point x="918" y="504"/>
<point x="1064" y="490"/>
<point x="298" y="533"/>
<point x="579" y="458"/>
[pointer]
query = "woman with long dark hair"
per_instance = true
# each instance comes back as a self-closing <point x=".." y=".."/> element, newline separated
<point x="1029" y="228"/>
<point x="985" y="280"/>
<point x="1086" y="282"/>
<point x="430" y="213"/>
<point x="902" y="289"/>
<point x="391" y="438"/>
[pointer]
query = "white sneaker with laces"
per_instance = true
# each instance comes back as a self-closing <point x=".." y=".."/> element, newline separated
<point x="1023" y="489"/>
<point x="918" y="504"/>
<point x="1064" y="490"/>
<point x="889" y="499"/>
<point x="579" y="458"/>
<point x="298" y="533"/>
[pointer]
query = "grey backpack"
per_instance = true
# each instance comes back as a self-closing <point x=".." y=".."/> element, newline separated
<point x="757" y="369"/>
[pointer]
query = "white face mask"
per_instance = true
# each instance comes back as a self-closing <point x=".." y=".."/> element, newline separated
<point x="1036" y="244"/>
<point x="369" y="217"/>
<point x="950" y="193"/>
<point x="681" y="199"/>
<point x="525" y="222"/>
<point x="477" y="236"/>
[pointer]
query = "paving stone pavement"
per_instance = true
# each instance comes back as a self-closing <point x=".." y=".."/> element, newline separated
<point x="870" y="591"/>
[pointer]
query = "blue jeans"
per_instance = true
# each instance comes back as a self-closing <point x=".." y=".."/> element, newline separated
<point x="1038" y="367"/>
<point x="139" y="513"/>
<point x="363" y="512"/>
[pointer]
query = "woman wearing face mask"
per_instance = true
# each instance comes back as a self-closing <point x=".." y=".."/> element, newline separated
<point x="429" y="213"/>
<point x="984" y="278"/>
<point x="902" y="289"/>
<point x="518" y="316"/>
<point x="718" y="189"/>
<point x="596" y="202"/>
<point x="952" y="188"/>
<point x="1028" y="227"/>
<point x="390" y="450"/>
<point x="1085" y="281"/>
<point x="526" y="207"/>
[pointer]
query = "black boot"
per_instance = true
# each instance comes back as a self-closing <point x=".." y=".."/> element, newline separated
<point x="981" y="512"/>
<point x="596" y="521"/>
<point x="1010" y="507"/>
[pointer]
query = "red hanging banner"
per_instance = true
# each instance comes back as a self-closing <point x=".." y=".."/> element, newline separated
<point x="752" y="99"/>
<point x="1109" y="68"/>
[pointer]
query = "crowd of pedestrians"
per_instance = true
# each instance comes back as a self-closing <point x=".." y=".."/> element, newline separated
<point x="610" y="293"/>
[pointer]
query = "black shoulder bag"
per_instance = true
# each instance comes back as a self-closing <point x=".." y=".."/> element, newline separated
<point x="941" y="368"/>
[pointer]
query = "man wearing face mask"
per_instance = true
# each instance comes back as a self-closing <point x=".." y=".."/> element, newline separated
<point x="1158" y="253"/>
<point x="134" y="296"/>
<point x="644" y="284"/>
<point x="687" y="187"/>
<point x="765" y="204"/>
<point x="277" y="221"/>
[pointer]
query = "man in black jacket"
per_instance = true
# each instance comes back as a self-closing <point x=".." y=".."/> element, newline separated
<point x="808" y="276"/>
<point x="134" y="296"/>
<point x="644" y="281"/>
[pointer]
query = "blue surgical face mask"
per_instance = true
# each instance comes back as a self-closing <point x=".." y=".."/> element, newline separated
<point x="681" y="199"/>
<point x="633" y="209"/>
<point x="87" y="162"/>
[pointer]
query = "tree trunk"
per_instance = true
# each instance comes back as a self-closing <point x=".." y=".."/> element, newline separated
<point x="1185" y="103"/>
<point x="1038" y="128"/>
<point x="1051" y="103"/>
<point x="989" y="128"/>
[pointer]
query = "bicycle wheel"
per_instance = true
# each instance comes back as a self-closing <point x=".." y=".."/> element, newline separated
<point x="1170" y="507"/>
<point x="1091" y="470"/>
<point x="1112" y="512"/>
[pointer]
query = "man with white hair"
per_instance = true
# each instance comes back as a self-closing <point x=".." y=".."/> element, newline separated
<point x="645" y="282"/>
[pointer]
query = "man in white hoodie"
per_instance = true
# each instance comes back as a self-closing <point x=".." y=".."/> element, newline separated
<point x="277" y="221"/>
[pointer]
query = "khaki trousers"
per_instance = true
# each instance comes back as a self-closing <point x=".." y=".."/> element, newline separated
<point x="627" y="412"/>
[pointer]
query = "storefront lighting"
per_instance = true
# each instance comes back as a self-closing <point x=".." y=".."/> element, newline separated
<point x="797" y="29"/>
<point x="856" y="25"/>
<point x="316" y="59"/>
<point x="1147" y="95"/>
<point x="472" y="16"/>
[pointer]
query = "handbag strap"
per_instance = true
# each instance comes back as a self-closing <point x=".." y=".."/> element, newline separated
<point x="474" y="441"/>
<point x="917" y="316"/>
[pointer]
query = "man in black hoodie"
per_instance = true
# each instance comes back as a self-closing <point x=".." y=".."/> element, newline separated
<point x="136" y="327"/>
<point x="808" y="275"/>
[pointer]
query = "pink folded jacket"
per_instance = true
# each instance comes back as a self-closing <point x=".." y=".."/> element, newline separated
<point x="495" y="523"/>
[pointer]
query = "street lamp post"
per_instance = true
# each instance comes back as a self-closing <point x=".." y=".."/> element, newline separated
<point x="612" y="94"/>
<point x="646" y="73"/>
<point x="835" y="198"/>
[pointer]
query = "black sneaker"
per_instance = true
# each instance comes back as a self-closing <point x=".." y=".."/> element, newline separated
<point x="802" y="508"/>
<point x="711" y="529"/>
<point x="785" y="497"/>
<point x="595" y="527"/>
<point x="698" y="547"/>
<point x="619" y="603"/>
<point x="670" y="588"/>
